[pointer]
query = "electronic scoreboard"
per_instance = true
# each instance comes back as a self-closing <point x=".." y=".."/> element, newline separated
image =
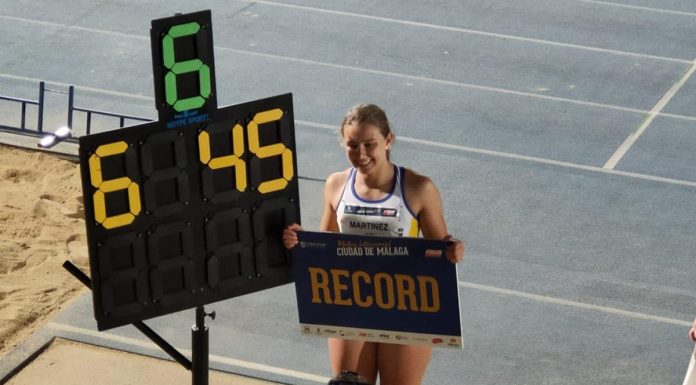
<point x="189" y="209"/>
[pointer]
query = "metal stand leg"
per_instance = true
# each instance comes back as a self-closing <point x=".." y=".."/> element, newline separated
<point x="199" y="348"/>
<point x="199" y="336"/>
<point x="140" y="325"/>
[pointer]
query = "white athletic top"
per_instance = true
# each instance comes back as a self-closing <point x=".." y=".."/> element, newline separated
<point x="386" y="217"/>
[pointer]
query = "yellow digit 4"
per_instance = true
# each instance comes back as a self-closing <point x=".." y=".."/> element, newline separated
<point x="112" y="185"/>
<point x="270" y="150"/>
<point x="233" y="160"/>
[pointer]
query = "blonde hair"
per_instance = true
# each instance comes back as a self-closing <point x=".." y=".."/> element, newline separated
<point x="371" y="114"/>
<point x="367" y="113"/>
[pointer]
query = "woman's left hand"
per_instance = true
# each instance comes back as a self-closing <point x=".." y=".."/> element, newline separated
<point x="455" y="249"/>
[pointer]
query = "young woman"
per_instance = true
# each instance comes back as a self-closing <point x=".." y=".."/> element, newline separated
<point x="374" y="181"/>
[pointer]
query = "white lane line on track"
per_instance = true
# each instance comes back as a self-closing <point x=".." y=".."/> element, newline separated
<point x="507" y="155"/>
<point x="391" y="74"/>
<point x="654" y="112"/>
<point x="473" y="31"/>
<point x="212" y="357"/>
<point x="382" y="19"/>
<point x="638" y="7"/>
<point x="443" y="82"/>
<point x="74" y="27"/>
<point x="82" y="88"/>
<point x="574" y="304"/>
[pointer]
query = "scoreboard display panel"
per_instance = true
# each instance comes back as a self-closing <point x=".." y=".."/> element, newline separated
<point x="188" y="210"/>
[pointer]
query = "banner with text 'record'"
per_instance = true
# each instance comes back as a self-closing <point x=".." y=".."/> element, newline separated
<point x="391" y="290"/>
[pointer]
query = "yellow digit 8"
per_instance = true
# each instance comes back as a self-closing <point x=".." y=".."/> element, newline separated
<point x="112" y="185"/>
<point x="233" y="160"/>
<point x="270" y="150"/>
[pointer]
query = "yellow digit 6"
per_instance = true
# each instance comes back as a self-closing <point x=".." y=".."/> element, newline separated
<point x="270" y="150"/>
<point x="233" y="160"/>
<point x="112" y="185"/>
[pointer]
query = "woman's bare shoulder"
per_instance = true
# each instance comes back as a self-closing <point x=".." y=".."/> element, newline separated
<point x="336" y="180"/>
<point x="418" y="183"/>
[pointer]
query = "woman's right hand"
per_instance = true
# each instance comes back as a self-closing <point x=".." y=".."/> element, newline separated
<point x="290" y="235"/>
<point x="692" y="331"/>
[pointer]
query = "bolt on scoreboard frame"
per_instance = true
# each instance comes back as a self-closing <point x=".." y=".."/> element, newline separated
<point x="189" y="209"/>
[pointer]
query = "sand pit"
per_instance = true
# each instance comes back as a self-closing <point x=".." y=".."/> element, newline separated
<point x="41" y="226"/>
<point x="80" y="364"/>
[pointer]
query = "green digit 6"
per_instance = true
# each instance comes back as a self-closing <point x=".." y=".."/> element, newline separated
<point x="178" y="68"/>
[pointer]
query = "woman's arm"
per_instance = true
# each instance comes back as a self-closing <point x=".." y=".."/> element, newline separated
<point x="332" y="189"/>
<point x="424" y="199"/>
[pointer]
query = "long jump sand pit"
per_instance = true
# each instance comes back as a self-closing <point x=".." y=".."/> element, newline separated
<point x="41" y="226"/>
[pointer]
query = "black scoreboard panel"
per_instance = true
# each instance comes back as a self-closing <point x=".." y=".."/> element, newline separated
<point x="183" y="216"/>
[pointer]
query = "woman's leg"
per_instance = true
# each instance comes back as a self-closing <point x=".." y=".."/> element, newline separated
<point x="402" y="364"/>
<point x="356" y="356"/>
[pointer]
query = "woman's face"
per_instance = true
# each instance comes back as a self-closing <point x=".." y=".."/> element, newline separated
<point x="366" y="147"/>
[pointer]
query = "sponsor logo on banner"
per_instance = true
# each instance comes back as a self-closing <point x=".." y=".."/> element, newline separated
<point x="437" y="341"/>
<point x="430" y="253"/>
<point x="312" y="245"/>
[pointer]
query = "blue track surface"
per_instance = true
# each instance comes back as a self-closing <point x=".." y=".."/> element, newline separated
<point x="576" y="272"/>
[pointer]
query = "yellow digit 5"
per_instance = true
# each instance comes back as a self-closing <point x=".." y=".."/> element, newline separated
<point x="233" y="160"/>
<point x="112" y="185"/>
<point x="270" y="150"/>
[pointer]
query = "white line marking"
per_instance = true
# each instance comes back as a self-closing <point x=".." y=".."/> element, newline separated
<point x="633" y="137"/>
<point x="575" y="304"/>
<point x="186" y="352"/>
<point x="640" y="8"/>
<point x="85" y="88"/>
<point x="443" y="82"/>
<point x="677" y="116"/>
<point x="74" y="27"/>
<point x="474" y="32"/>
<point x="533" y="159"/>
<point x="390" y="74"/>
<point x="383" y="19"/>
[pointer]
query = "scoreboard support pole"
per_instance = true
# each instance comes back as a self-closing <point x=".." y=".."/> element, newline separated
<point x="199" y="347"/>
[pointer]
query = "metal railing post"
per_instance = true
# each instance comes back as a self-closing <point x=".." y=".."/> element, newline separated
<point x="71" y="100"/>
<point x="39" y="124"/>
